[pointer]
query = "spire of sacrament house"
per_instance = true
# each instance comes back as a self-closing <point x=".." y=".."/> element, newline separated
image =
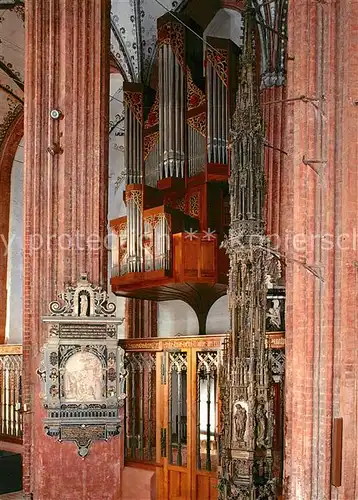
<point x="245" y="379"/>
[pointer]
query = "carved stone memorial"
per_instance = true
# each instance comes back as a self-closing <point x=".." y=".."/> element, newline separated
<point x="82" y="368"/>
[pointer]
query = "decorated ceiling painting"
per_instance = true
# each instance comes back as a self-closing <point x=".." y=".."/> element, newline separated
<point x="12" y="65"/>
<point x="134" y="34"/>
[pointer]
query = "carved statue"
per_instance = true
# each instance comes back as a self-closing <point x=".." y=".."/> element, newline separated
<point x="240" y="422"/>
<point x="261" y="423"/>
<point x="274" y="314"/>
<point x="83" y="305"/>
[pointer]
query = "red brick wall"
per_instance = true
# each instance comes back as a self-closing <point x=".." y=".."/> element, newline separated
<point x="67" y="67"/>
<point x="320" y="182"/>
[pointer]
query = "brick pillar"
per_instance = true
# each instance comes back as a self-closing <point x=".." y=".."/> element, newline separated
<point x="319" y="210"/>
<point x="273" y="110"/>
<point x="67" y="68"/>
<point x="345" y="313"/>
<point x="141" y="318"/>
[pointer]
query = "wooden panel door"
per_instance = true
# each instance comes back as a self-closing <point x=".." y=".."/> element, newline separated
<point x="187" y="431"/>
<point x="205" y="420"/>
<point x="174" y="429"/>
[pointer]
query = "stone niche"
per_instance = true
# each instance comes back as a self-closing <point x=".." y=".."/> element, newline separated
<point x="82" y="369"/>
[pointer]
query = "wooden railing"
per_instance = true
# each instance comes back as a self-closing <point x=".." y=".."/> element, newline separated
<point x="10" y="392"/>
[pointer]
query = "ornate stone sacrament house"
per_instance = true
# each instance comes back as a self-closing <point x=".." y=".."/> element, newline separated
<point x="82" y="369"/>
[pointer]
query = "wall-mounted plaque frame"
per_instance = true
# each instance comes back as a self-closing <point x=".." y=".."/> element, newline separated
<point x="82" y="368"/>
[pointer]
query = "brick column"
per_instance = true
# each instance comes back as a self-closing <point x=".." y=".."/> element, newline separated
<point x="273" y="111"/>
<point x="345" y="372"/>
<point x="141" y="318"/>
<point x="67" y="68"/>
<point x="319" y="210"/>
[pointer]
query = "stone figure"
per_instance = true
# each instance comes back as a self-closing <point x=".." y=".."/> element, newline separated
<point x="274" y="314"/>
<point x="240" y="419"/>
<point x="261" y="425"/>
<point x="83" y="305"/>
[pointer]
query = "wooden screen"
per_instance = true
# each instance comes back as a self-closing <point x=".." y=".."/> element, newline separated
<point x="171" y="413"/>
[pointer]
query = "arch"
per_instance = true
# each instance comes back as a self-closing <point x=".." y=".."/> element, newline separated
<point x="218" y="320"/>
<point x="176" y="317"/>
<point x="228" y="24"/>
<point x="8" y="150"/>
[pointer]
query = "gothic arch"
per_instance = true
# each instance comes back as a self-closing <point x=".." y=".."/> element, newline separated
<point x="7" y="154"/>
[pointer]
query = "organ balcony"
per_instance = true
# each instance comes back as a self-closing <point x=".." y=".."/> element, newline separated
<point x="167" y="246"/>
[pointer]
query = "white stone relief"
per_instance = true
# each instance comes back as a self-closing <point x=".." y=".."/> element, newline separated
<point x="83" y="379"/>
<point x="274" y="314"/>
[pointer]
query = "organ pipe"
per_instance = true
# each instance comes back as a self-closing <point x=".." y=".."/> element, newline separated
<point x="171" y="114"/>
<point x="134" y="236"/>
<point x="133" y="137"/>
<point x="217" y="116"/>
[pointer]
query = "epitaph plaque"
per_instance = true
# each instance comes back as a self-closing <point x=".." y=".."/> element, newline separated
<point x="82" y="368"/>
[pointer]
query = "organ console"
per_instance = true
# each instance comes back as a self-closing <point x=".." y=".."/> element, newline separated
<point x="177" y="160"/>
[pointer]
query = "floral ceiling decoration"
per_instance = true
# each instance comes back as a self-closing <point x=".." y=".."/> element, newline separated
<point x="134" y="34"/>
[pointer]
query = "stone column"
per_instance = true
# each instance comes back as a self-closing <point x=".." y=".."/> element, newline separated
<point x="67" y="69"/>
<point x="320" y="212"/>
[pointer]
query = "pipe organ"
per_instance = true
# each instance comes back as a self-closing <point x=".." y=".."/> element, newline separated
<point x="177" y="161"/>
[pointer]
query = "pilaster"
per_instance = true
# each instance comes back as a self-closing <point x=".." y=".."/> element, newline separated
<point x="320" y="210"/>
<point x="67" y="70"/>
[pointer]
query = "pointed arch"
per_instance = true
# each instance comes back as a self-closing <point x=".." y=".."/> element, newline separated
<point x="8" y="150"/>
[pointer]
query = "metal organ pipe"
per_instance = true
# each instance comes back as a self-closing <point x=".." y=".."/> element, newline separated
<point x="215" y="120"/>
<point x="171" y="114"/>
<point x="172" y="106"/>
<point x="134" y="236"/>
<point x="128" y="150"/>
<point x="218" y="134"/>
<point x="177" y="134"/>
<point x="217" y="117"/>
<point x="127" y="142"/>
<point x="151" y="167"/>
<point x="181" y="95"/>
<point x="161" y="113"/>
<point x="134" y="150"/>
<point x="209" y="111"/>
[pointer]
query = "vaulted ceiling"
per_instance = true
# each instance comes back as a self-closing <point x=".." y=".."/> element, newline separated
<point x="133" y="47"/>
<point x="12" y="63"/>
<point x="133" y="43"/>
<point x="134" y="34"/>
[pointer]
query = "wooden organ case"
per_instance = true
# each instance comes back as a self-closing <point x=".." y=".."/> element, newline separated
<point x="167" y="247"/>
<point x="177" y="158"/>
